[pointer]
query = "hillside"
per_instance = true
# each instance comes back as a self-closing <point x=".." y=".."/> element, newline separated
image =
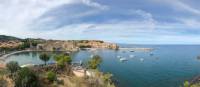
<point x="8" y="38"/>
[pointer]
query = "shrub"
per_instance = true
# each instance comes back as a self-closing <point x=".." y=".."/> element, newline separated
<point x="51" y="76"/>
<point x="94" y="62"/>
<point x="12" y="67"/>
<point x="107" y="77"/>
<point x="186" y="84"/>
<point x="26" y="78"/>
<point x="62" y="60"/>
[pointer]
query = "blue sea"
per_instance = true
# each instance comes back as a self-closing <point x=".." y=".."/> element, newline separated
<point x="169" y="66"/>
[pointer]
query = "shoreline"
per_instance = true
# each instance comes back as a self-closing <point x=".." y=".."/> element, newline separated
<point x="15" y="52"/>
<point x="4" y="57"/>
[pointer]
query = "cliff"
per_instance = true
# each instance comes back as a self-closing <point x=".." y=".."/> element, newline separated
<point x="74" y="45"/>
<point x="53" y="45"/>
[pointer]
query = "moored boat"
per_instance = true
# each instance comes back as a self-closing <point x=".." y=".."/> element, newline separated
<point x="123" y="59"/>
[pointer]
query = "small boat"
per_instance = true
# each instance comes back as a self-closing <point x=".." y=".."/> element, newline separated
<point x="131" y="56"/>
<point x="141" y="59"/>
<point x="91" y="56"/>
<point x="118" y="56"/>
<point x="132" y="51"/>
<point x="123" y="59"/>
<point x="151" y="54"/>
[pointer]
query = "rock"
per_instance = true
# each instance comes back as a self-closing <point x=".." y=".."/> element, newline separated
<point x="74" y="45"/>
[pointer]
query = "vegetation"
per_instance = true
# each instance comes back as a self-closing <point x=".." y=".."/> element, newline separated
<point x="62" y="60"/>
<point x="26" y="78"/>
<point x="44" y="57"/>
<point x="51" y="76"/>
<point x="195" y="85"/>
<point x="100" y="80"/>
<point x="27" y="43"/>
<point x="186" y="84"/>
<point x="83" y="46"/>
<point x="12" y="67"/>
<point x="7" y="38"/>
<point x="94" y="62"/>
<point x="107" y="77"/>
<point x="6" y="49"/>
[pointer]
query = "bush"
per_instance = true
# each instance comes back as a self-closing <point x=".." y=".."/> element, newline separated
<point x="107" y="78"/>
<point x="94" y="62"/>
<point x="65" y="58"/>
<point x="26" y="78"/>
<point x="12" y="67"/>
<point x="62" y="60"/>
<point x="51" y="76"/>
<point x="186" y="84"/>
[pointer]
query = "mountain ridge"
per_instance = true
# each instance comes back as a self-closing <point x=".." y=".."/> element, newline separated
<point x="8" y="38"/>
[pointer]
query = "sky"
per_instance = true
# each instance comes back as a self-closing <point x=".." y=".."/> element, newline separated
<point x="119" y="21"/>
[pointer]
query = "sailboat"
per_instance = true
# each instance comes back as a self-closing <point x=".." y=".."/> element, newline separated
<point x="123" y="59"/>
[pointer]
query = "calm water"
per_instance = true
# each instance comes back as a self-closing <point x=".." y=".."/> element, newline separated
<point x="170" y="65"/>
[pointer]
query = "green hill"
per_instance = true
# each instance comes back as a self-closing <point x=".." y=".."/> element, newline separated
<point x="7" y="38"/>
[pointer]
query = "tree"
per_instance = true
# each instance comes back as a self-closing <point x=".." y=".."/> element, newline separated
<point x="44" y="57"/>
<point x="65" y="58"/>
<point x="94" y="62"/>
<point x="51" y="76"/>
<point x="62" y="60"/>
<point x="26" y="78"/>
<point x="12" y="67"/>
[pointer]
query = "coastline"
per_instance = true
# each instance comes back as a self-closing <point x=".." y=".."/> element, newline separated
<point x="3" y="57"/>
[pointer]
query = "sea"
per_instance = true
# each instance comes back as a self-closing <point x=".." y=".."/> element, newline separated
<point x="164" y="66"/>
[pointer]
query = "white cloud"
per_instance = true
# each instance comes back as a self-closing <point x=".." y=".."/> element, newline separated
<point x="180" y="5"/>
<point x="111" y="30"/>
<point x="17" y="15"/>
<point x="190" y="22"/>
<point x="184" y="6"/>
<point x="94" y="4"/>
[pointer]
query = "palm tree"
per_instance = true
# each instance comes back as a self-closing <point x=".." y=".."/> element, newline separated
<point x="44" y="57"/>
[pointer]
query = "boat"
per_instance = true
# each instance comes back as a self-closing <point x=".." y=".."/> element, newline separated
<point x="91" y="56"/>
<point x="132" y="51"/>
<point x="131" y="56"/>
<point x="118" y="56"/>
<point x="141" y="59"/>
<point x="123" y="59"/>
<point x="151" y="54"/>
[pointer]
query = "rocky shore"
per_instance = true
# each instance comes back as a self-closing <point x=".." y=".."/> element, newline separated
<point x="74" y="45"/>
